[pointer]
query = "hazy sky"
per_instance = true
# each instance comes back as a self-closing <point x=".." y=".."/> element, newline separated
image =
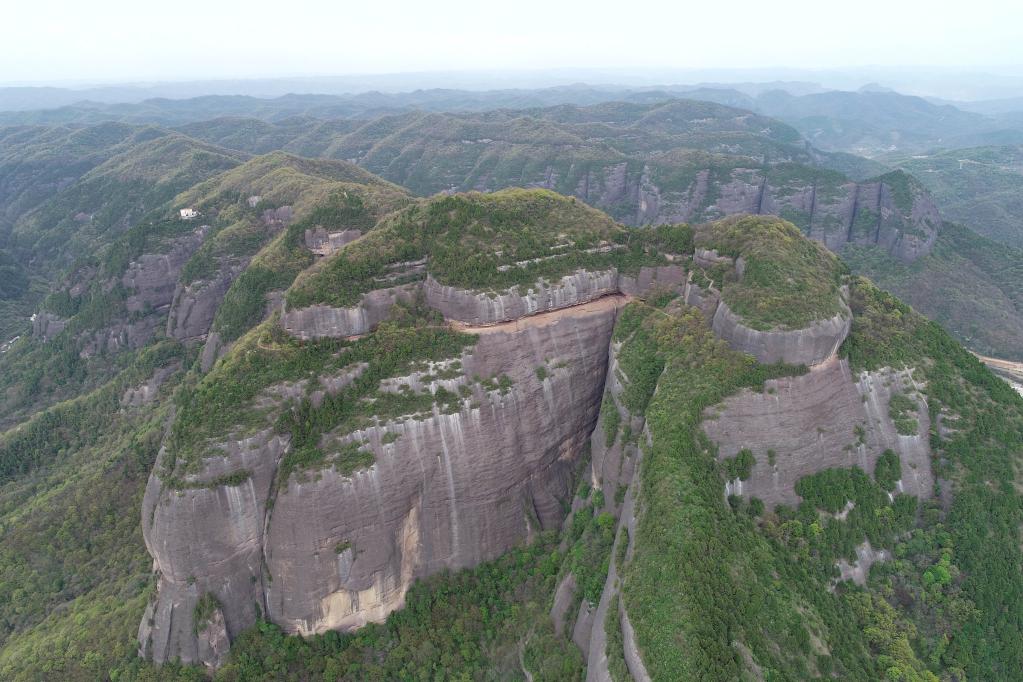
<point x="117" y="40"/>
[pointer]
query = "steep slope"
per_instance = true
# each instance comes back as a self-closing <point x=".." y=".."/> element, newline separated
<point x="642" y="163"/>
<point x="977" y="187"/>
<point x="386" y="431"/>
<point x="968" y="284"/>
<point x="703" y="422"/>
<point x="38" y="161"/>
<point x="118" y="193"/>
<point x="167" y="277"/>
<point x="557" y="408"/>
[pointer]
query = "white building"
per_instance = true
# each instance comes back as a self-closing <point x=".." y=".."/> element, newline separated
<point x="189" y="213"/>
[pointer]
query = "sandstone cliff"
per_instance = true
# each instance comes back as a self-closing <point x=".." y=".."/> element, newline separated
<point x="459" y="458"/>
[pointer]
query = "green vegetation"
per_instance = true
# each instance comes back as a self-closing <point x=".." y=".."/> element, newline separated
<point x="277" y="266"/>
<point x="902" y="411"/>
<point x="203" y="613"/>
<point x="921" y="615"/>
<point x="970" y="285"/>
<point x="788" y="282"/>
<point x="888" y="470"/>
<point x="685" y="524"/>
<point x="615" y="645"/>
<point x="976" y="187"/>
<point x="611" y="418"/>
<point x="739" y="467"/>
<point x="463" y="625"/>
<point x="222" y="401"/>
<point x="56" y="433"/>
<point x="13" y="279"/>
<point x="981" y="528"/>
<point x="74" y="573"/>
<point x="488" y="242"/>
<point x="589" y="558"/>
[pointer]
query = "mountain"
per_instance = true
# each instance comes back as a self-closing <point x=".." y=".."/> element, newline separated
<point x="166" y="276"/>
<point x="682" y="161"/>
<point x="471" y="431"/>
<point x="65" y="191"/>
<point x="559" y="393"/>
<point x="977" y="187"/>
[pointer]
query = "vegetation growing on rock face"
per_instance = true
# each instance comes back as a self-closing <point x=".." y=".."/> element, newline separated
<point x="222" y="402"/>
<point x="788" y="281"/>
<point x="902" y="411"/>
<point x="749" y="591"/>
<point x="970" y="285"/>
<point x="277" y="265"/>
<point x="204" y="610"/>
<point x="888" y="470"/>
<point x="489" y="242"/>
<point x="784" y="562"/>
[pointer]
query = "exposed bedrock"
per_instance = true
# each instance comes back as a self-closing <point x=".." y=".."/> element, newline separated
<point x="324" y="243"/>
<point x="195" y="304"/>
<point x="834" y="214"/>
<point x="480" y="308"/>
<point x="47" y="325"/>
<point x="319" y="321"/>
<point x="121" y="335"/>
<point x="474" y="307"/>
<point x="152" y="278"/>
<point x="824" y="419"/>
<point x="450" y="491"/>
<point x="807" y="346"/>
<point x="336" y="551"/>
<point x="207" y="539"/>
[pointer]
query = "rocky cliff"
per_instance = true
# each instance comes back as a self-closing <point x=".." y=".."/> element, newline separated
<point x="322" y="496"/>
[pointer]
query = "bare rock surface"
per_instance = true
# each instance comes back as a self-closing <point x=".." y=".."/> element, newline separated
<point x="866" y="556"/>
<point x="319" y="321"/>
<point x="152" y="278"/>
<point x="812" y="423"/>
<point x="451" y="491"/>
<point x="146" y="392"/>
<point x="807" y="346"/>
<point x="207" y="538"/>
<point x="481" y="308"/>
<point x="336" y="551"/>
<point x="323" y="243"/>
<point x="46" y="325"/>
<point x="195" y="304"/>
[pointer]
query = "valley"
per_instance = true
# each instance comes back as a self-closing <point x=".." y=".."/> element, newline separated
<point x="382" y="387"/>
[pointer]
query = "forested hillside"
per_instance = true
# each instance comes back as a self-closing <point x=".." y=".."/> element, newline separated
<point x="557" y="393"/>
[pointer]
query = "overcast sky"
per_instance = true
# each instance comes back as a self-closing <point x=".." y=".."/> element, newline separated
<point x="119" y="40"/>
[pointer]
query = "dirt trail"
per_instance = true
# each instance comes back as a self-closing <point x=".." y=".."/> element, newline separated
<point x="602" y="304"/>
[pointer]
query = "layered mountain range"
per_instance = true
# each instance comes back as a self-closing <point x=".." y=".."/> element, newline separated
<point x="278" y="416"/>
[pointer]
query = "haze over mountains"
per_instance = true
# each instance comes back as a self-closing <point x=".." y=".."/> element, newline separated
<point x="577" y="382"/>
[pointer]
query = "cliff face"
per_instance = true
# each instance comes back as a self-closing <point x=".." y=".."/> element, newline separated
<point x="828" y="208"/>
<point x="807" y="346"/>
<point x="490" y="454"/>
<point x="826" y="418"/>
<point x="448" y="491"/>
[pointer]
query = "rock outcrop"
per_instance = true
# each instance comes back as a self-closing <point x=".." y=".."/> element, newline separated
<point x="828" y="208"/>
<point x="337" y="551"/>
<point x="824" y="419"/>
<point x="319" y="321"/>
<point x="207" y="538"/>
<point x="195" y="304"/>
<point x="479" y="308"/>
<point x="809" y="346"/>
<point x="475" y="308"/>
<point x="46" y="325"/>
<point x="151" y="278"/>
